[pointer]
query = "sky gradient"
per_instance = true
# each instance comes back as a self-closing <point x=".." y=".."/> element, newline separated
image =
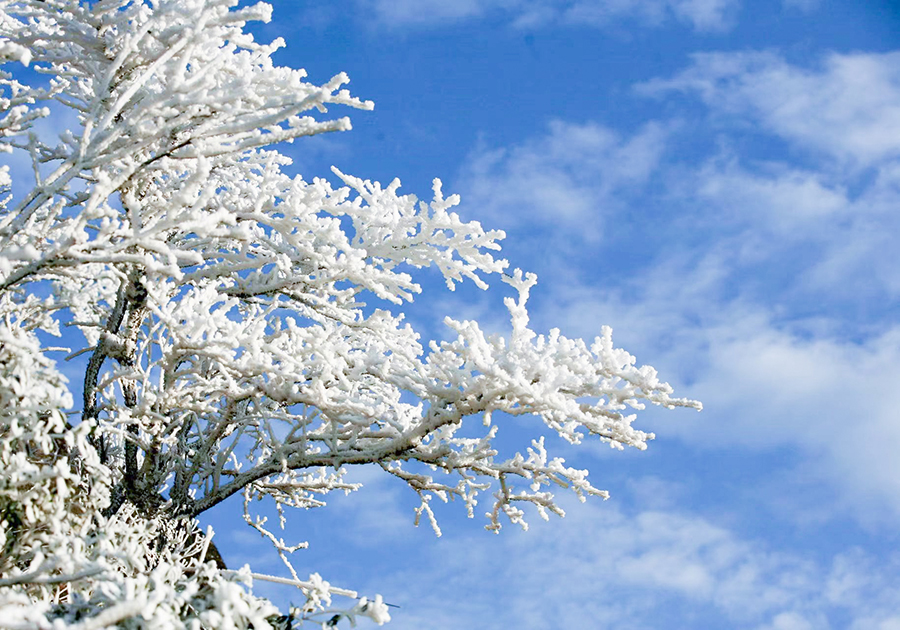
<point x="719" y="181"/>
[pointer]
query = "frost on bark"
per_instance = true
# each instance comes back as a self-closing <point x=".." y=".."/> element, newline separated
<point x="241" y="329"/>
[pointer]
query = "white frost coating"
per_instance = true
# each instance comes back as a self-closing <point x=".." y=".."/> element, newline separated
<point x="14" y="52"/>
<point x="227" y="343"/>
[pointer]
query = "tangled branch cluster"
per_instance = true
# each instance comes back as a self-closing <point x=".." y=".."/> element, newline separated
<point x="242" y="327"/>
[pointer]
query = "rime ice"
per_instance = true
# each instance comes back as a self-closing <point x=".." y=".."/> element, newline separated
<point x="242" y="327"/>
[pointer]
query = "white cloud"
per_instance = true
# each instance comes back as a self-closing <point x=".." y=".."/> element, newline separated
<point x="754" y="314"/>
<point x="765" y="386"/>
<point x="701" y="15"/>
<point x="379" y="495"/>
<point x="565" y="177"/>
<point x="807" y="6"/>
<point x="849" y="108"/>
<point x="816" y="232"/>
<point x="418" y="12"/>
<point x="790" y="621"/>
<point x="751" y="321"/>
<point x="604" y="567"/>
<point x="706" y="15"/>
<point x="774" y="218"/>
<point x="782" y="200"/>
<point x="767" y="287"/>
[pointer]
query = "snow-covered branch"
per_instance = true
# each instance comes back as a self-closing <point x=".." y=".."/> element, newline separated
<point x="242" y="328"/>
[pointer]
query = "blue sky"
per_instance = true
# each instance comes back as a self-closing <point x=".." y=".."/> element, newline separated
<point x="719" y="181"/>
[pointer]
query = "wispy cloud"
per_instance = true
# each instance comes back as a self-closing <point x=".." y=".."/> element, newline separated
<point x="607" y="567"/>
<point x="848" y="108"/>
<point x="405" y="13"/>
<point x="700" y="15"/>
<point x="806" y="6"/>
<point x="832" y="400"/>
<point x="562" y="177"/>
<point x="836" y="212"/>
<point x="777" y="198"/>
<point x="764" y="286"/>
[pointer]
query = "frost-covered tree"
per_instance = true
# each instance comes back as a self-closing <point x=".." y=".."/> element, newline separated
<point x="241" y="329"/>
